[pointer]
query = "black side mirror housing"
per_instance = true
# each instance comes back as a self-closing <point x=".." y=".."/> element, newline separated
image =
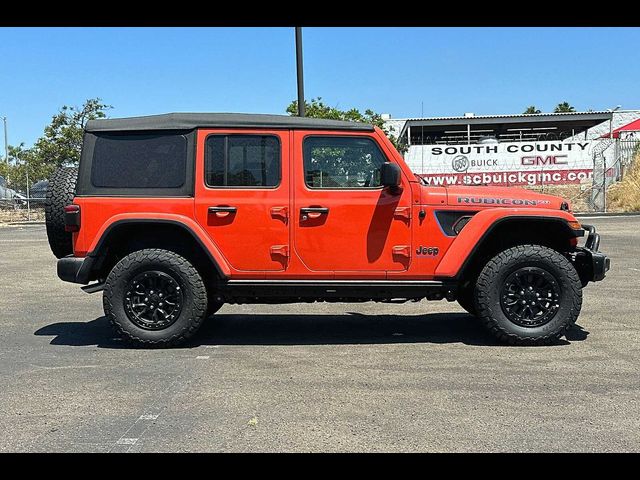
<point x="390" y="175"/>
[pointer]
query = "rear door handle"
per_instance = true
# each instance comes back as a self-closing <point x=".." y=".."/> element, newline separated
<point x="222" y="211"/>
<point x="313" y="212"/>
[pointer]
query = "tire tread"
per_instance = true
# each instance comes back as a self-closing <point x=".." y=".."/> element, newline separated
<point x="60" y="193"/>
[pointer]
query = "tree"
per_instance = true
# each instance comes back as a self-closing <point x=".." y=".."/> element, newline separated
<point x="563" y="107"/>
<point x="61" y="143"/>
<point x="318" y="109"/>
<point x="531" y="110"/>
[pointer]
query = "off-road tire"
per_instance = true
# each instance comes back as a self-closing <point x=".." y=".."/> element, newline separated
<point x="194" y="307"/>
<point x="60" y="193"/>
<point x="494" y="273"/>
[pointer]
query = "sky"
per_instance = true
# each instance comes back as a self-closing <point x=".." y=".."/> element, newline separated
<point x="446" y="71"/>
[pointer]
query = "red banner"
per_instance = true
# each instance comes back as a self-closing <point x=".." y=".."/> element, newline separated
<point x="549" y="177"/>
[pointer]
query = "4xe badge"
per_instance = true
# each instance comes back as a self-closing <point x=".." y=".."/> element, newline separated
<point x="431" y="251"/>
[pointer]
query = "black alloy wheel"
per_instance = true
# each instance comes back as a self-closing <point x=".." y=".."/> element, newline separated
<point x="530" y="297"/>
<point x="153" y="300"/>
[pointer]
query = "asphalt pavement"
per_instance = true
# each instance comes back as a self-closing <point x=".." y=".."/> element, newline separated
<point x="314" y="377"/>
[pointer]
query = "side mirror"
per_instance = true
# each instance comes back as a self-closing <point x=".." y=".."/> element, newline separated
<point x="390" y="175"/>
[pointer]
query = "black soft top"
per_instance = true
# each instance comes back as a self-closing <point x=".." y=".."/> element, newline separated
<point x="189" y="121"/>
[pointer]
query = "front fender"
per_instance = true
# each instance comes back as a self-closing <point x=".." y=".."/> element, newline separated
<point x="481" y="225"/>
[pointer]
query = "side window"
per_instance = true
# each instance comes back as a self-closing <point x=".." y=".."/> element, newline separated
<point x="341" y="162"/>
<point x="242" y="161"/>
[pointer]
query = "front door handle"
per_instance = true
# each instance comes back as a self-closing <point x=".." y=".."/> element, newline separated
<point x="313" y="212"/>
<point x="222" y="210"/>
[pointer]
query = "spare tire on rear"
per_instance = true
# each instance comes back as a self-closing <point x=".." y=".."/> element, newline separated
<point x="60" y="193"/>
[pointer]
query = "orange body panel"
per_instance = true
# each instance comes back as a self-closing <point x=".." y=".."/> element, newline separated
<point x="251" y="239"/>
<point x="364" y="231"/>
<point x="99" y="213"/>
<point x="367" y="233"/>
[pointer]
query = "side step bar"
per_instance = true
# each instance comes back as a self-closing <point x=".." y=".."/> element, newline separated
<point x="253" y="291"/>
<point x="93" y="288"/>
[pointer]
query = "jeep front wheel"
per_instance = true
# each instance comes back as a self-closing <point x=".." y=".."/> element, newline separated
<point x="528" y="295"/>
<point x="155" y="298"/>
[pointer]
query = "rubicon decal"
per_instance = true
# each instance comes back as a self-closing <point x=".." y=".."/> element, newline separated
<point x="502" y="201"/>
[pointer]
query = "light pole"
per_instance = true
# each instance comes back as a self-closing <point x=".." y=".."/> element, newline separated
<point x="301" y="106"/>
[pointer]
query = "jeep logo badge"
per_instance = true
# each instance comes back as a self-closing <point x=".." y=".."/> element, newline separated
<point x="431" y="251"/>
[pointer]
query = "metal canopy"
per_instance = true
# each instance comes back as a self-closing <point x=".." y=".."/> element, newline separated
<point x="502" y="127"/>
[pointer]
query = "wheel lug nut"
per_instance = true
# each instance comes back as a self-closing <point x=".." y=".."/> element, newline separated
<point x="151" y="292"/>
<point x="524" y="302"/>
<point x="146" y="299"/>
<point x="160" y="304"/>
<point x="161" y="295"/>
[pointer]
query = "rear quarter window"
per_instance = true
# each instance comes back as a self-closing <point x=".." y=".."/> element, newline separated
<point x="139" y="161"/>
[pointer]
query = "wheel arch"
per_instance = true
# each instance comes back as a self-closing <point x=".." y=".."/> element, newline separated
<point x="464" y="259"/>
<point x="125" y="235"/>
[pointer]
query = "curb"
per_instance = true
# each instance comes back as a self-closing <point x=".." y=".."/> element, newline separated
<point x="607" y="214"/>
<point x="25" y="223"/>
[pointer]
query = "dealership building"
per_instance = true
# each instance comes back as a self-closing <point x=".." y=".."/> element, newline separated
<point x="536" y="149"/>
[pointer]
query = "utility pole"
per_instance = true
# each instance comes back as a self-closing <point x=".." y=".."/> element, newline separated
<point x="6" y="150"/>
<point x="301" y="106"/>
<point x="6" y="145"/>
<point x="604" y="159"/>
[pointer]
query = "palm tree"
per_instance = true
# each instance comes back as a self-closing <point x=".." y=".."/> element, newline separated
<point x="563" y="107"/>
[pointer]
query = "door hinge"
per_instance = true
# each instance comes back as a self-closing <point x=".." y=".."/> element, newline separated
<point x="402" y="251"/>
<point x="280" y="212"/>
<point x="403" y="212"/>
<point x="282" y="250"/>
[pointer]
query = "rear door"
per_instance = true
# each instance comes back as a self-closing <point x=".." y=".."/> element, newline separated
<point x="343" y="219"/>
<point x="242" y="196"/>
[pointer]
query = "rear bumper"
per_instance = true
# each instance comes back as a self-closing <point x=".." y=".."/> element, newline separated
<point x="75" y="269"/>
<point x="590" y="263"/>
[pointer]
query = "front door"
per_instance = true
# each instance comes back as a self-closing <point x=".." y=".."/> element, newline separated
<point x="344" y="220"/>
<point x="242" y="196"/>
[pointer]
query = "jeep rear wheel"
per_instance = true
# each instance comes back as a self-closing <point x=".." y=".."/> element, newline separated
<point x="60" y="193"/>
<point x="155" y="298"/>
<point x="528" y="295"/>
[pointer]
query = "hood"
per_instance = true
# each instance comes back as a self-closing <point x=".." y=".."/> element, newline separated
<point x="482" y="196"/>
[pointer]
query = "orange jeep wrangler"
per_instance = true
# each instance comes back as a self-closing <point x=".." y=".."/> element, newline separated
<point x="174" y="215"/>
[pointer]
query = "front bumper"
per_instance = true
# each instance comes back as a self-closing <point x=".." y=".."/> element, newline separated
<point x="592" y="265"/>
<point x="75" y="269"/>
